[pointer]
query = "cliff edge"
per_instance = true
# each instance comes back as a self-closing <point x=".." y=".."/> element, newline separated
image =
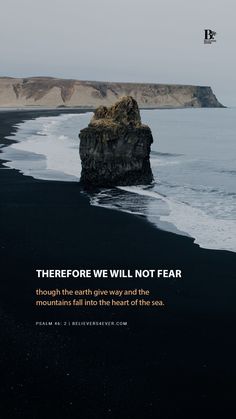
<point x="49" y="92"/>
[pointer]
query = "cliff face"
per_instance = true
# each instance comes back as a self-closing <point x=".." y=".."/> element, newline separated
<point x="115" y="147"/>
<point x="52" y="92"/>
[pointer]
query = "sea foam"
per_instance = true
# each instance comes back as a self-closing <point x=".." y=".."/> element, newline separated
<point x="208" y="232"/>
<point x="42" y="152"/>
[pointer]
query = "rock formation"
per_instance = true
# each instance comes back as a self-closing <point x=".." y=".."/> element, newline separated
<point x="50" y="92"/>
<point x="115" y="147"/>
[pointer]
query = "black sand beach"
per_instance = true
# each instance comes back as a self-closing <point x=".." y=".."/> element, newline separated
<point x="174" y="362"/>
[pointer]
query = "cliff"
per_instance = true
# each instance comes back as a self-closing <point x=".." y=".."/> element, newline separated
<point x="51" y="92"/>
<point x="115" y="147"/>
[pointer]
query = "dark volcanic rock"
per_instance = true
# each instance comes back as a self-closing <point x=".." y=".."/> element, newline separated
<point x="115" y="147"/>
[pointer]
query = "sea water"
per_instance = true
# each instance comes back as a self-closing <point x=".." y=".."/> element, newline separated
<point x="192" y="159"/>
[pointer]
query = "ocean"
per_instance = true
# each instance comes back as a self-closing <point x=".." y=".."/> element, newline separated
<point x="192" y="159"/>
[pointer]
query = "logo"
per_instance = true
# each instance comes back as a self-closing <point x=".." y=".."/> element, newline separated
<point x="209" y="36"/>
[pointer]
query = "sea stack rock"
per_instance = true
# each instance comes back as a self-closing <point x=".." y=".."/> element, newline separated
<point x="115" y="147"/>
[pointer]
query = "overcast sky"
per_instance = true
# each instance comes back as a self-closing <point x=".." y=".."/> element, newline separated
<point x="121" y="40"/>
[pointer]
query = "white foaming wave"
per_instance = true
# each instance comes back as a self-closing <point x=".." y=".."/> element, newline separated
<point x="60" y="153"/>
<point x="95" y="201"/>
<point x="208" y="232"/>
<point x="155" y="162"/>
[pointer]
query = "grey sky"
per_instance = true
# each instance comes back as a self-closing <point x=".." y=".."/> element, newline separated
<point x="121" y="40"/>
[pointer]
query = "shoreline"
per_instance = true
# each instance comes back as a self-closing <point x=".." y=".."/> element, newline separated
<point x="180" y="353"/>
<point x="51" y="152"/>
